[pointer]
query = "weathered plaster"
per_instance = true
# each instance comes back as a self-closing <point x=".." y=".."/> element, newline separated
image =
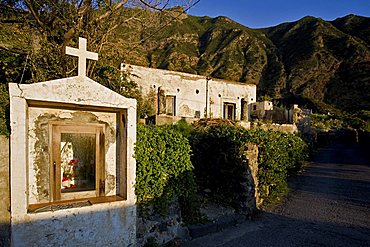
<point x="108" y="224"/>
<point x="39" y="160"/>
<point x="194" y="93"/>
<point x="221" y="92"/>
<point x="258" y="109"/>
<point x="105" y="224"/>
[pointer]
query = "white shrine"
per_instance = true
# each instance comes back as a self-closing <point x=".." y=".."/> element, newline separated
<point x="72" y="169"/>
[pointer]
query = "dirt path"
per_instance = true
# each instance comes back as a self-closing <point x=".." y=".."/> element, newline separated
<point x="328" y="205"/>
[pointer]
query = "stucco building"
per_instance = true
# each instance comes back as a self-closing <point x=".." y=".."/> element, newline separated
<point x="178" y="95"/>
<point x="72" y="168"/>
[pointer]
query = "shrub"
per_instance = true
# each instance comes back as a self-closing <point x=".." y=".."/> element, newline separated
<point x="183" y="127"/>
<point x="164" y="170"/>
<point x="280" y="155"/>
<point x="220" y="164"/>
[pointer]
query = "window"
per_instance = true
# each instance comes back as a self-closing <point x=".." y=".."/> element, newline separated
<point x="170" y="105"/>
<point x="229" y="111"/>
<point x="77" y="160"/>
<point x="254" y="107"/>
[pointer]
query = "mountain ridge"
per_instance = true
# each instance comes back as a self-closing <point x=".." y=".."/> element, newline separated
<point x="319" y="61"/>
<point x="319" y="64"/>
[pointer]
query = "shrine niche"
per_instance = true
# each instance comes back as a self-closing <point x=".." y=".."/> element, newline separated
<point x="72" y="167"/>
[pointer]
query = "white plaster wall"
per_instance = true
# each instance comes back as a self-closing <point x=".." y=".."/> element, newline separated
<point x="73" y="90"/>
<point x="181" y="85"/>
<point x="230" y="92"/>
<point x="263" y="106"/>
<point x="105" y="224"/>
<point x="110" y="148"/>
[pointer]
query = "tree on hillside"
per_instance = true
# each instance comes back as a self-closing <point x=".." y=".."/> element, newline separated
<point x="47" y="27"/>
<point x="34" y="34"/>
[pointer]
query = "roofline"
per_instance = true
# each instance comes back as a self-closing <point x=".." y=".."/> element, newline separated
<point x="193" y="75"/>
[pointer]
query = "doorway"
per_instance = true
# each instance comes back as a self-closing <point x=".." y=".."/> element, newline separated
<point x="229" y="111"/>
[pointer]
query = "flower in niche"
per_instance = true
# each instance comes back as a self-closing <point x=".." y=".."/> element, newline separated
<point x="70" y="174"/>
<point x="73" y="162"/>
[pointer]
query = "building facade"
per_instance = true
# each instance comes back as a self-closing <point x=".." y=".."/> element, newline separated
<point x="178" y="95"/>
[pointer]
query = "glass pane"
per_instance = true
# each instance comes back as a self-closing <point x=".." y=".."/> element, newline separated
<point x="230" y="111"/>
<point x="170" y="105"/>
<point x="77" y="153"/>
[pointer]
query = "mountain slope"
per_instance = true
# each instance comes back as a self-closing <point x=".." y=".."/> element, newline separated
<point x="323" y="64"/>
<point x="320" y="61"/>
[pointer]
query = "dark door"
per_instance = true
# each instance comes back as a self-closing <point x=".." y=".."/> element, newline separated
<point x="229" y="111"/>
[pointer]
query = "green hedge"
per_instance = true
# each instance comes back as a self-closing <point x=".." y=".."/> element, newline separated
<point x="220" y="164"/>
<point x="164" y="170"/>
<point x="280" y="155"/>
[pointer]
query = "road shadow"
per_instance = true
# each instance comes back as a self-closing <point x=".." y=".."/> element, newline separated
<point x="271" y="229"/>
<point x="328" y="205"/>
<point x="280" y="230"/>
<point x="339" y="171"/>
<point x="344" y="153"/>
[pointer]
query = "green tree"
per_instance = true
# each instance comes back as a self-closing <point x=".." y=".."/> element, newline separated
<point x="52" y="25"/>
<point x="34" y="34"/>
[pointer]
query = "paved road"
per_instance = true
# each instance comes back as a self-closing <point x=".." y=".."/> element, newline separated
<point x="328" y="205"/>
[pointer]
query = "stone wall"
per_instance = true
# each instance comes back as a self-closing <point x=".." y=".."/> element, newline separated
<point x="4" y="192"/>
<point x="285" y="128"/>
<point x="252" y="155"/>
<point x="302" y="118"/>
<point x="160" y="228"/>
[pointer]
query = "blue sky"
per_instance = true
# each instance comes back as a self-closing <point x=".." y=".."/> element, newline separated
<point x="265" y="13"/>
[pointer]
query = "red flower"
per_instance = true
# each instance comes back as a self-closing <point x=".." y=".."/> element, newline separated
<point x="72" y="162"/>
<point x="73" y="186"/>
<point x="64" y="179"/>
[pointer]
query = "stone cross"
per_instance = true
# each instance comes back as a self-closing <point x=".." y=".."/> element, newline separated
<point x="82" y="55"/>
